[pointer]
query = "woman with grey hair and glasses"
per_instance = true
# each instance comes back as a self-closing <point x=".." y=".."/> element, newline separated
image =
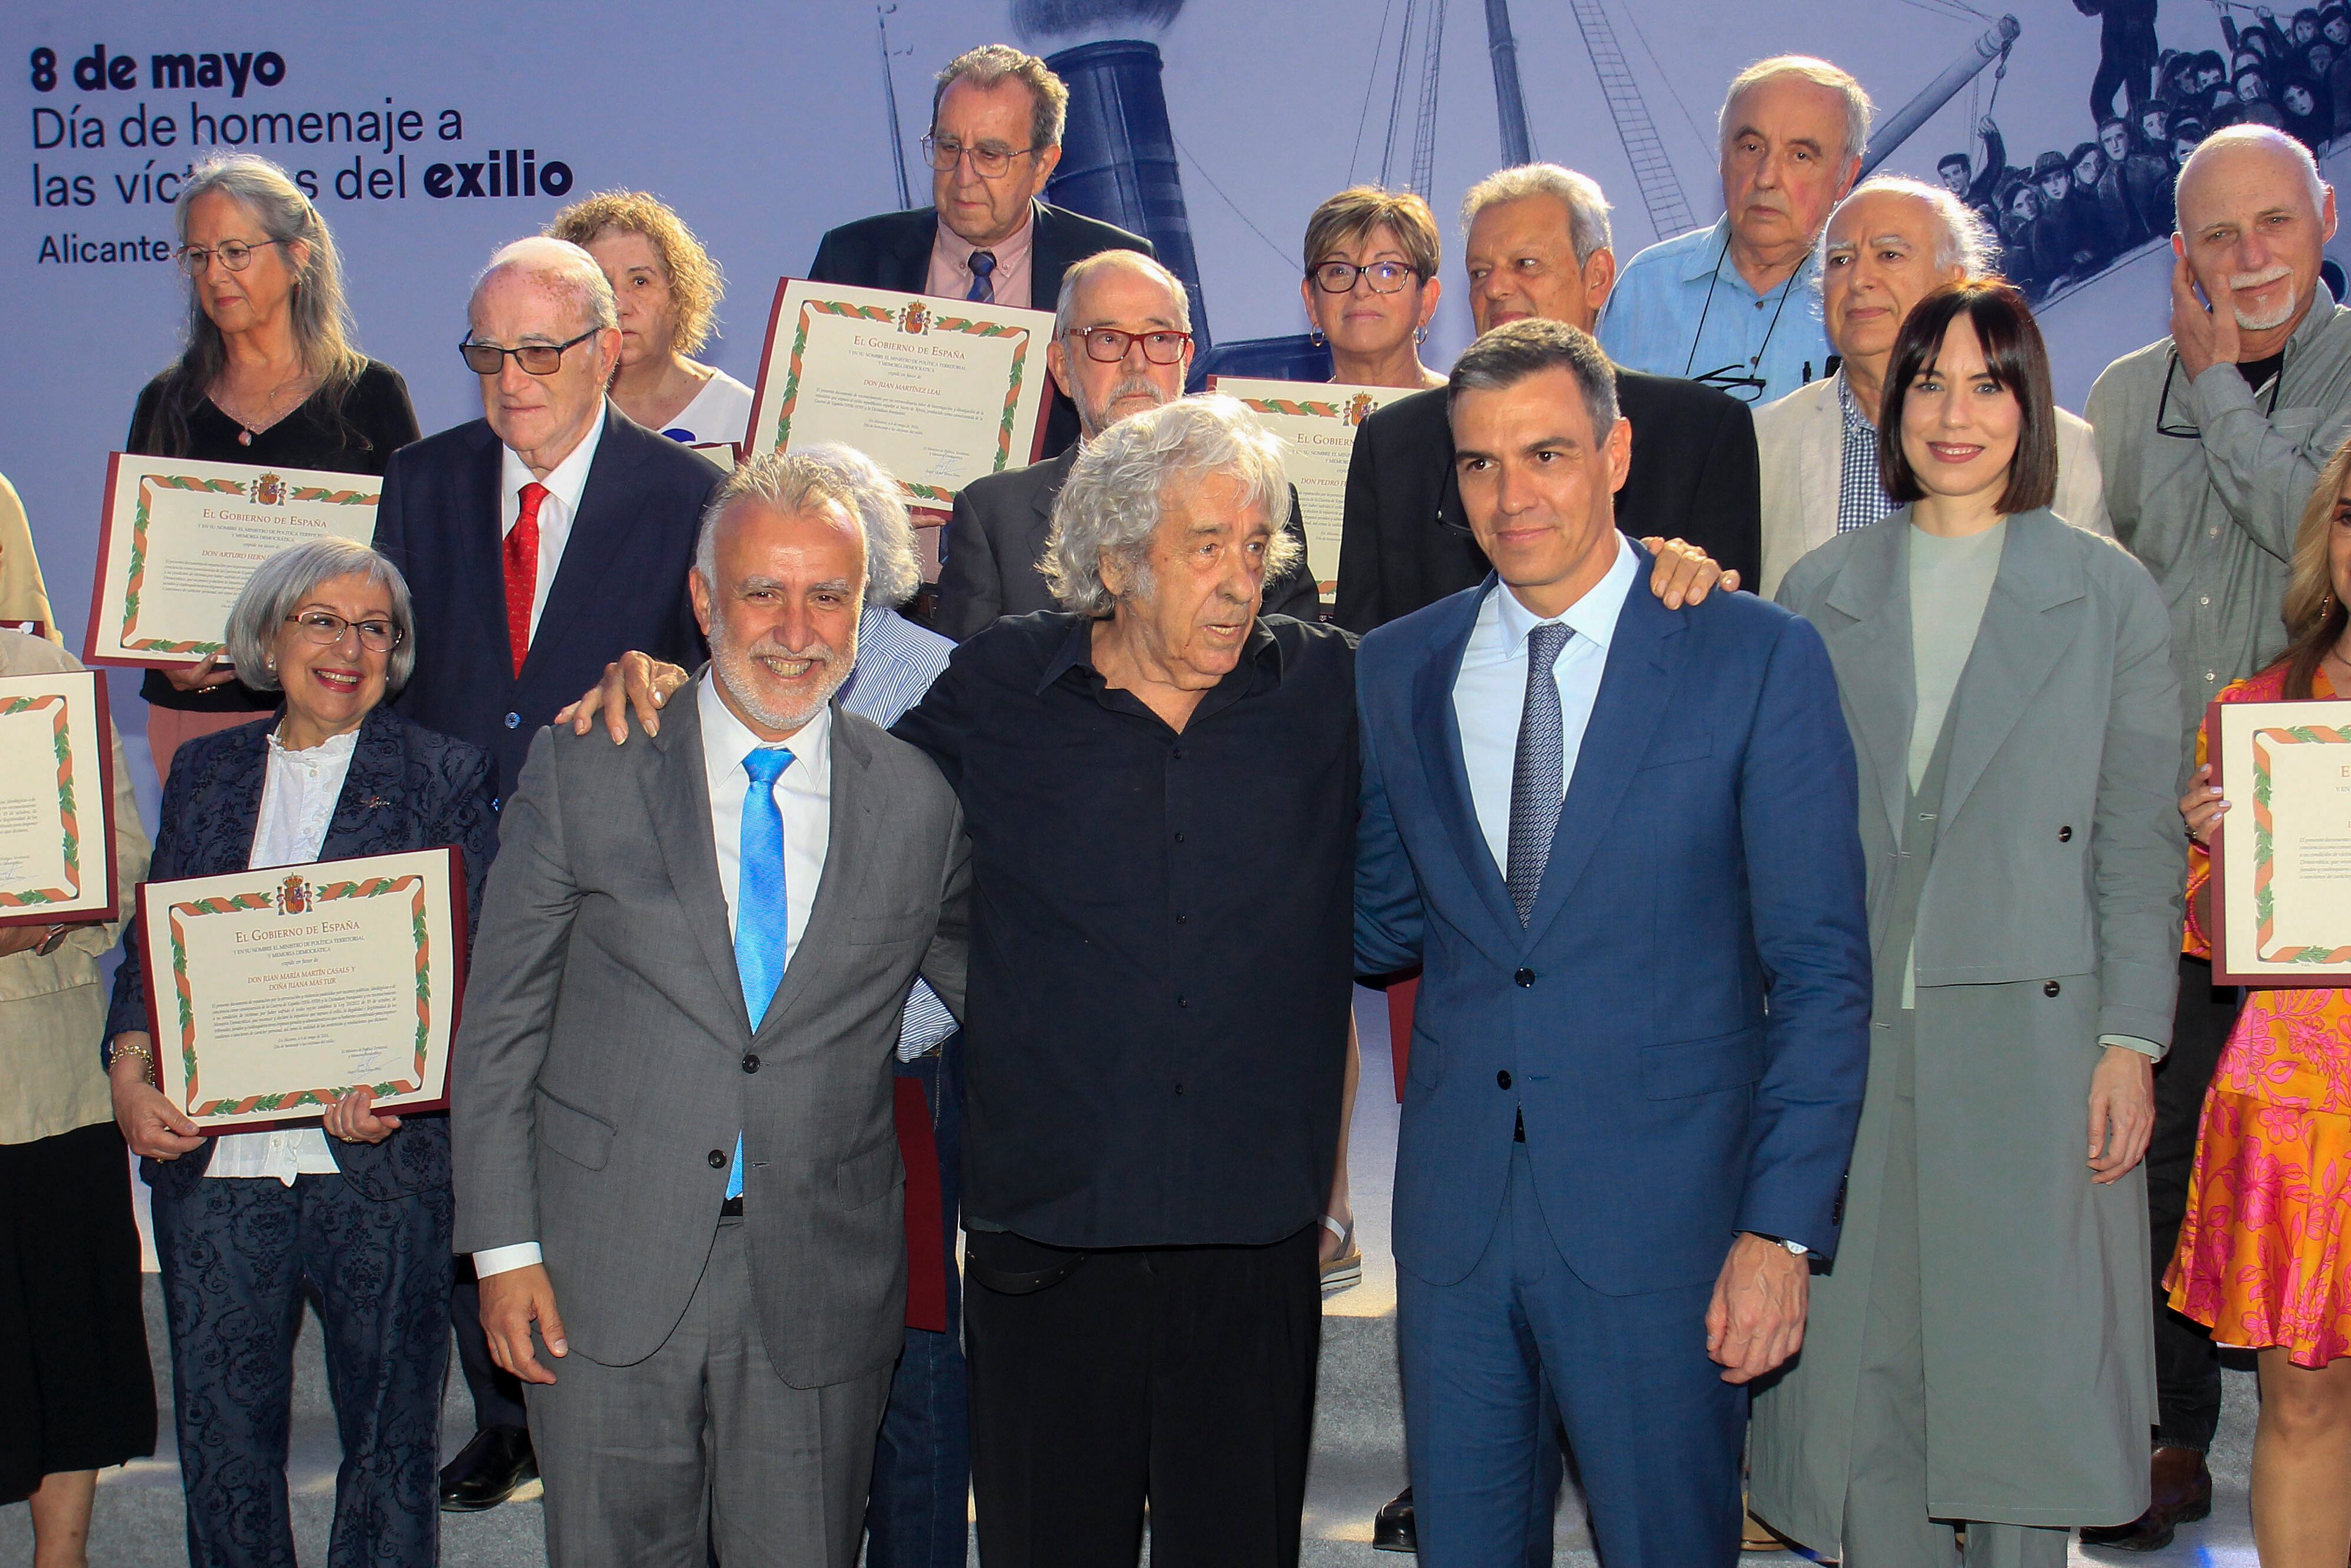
<point x="355" y="1213"/>
<point x="266" y="374"/>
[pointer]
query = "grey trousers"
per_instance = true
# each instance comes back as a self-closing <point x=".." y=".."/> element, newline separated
<point x="701" y="1443"/>
<point x="1885" y="1519"/>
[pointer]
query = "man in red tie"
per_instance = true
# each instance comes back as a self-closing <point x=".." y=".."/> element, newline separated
<point x="540" y="541"/>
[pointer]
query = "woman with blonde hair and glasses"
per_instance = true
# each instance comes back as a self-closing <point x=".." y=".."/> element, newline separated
<point x="1371" y="285"/>
<point x="2261" y="1260"/>
<point x="268" y="374"/>
<point x="668" y="289"/>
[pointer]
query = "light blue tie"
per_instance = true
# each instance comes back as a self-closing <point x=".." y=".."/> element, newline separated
<point x="761" y="920"/>
<point x="1538" y="775"/>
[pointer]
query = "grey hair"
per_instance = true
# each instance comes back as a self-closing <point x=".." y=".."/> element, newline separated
<point x="1118" y="489"/>
<point x="1065" y="312"/>
<point x="1962" y="239"/>
<point x="317" y="311"/>
<point x="894" y="567"/>
<point x="280" y="585"/>
<point x="783" y="482"/>
<point x="1587" y="207"/>
<point x="1804" y="68"/>
<point x="1530" y="346"/>
<point x="2264" y="136"/>
<point x="990" y="63"/>
<point x="561" y="268"/>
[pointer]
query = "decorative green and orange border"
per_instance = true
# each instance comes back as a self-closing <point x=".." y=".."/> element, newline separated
<point x="937" y="320"/>
<point x="267" y="1108"/>
<point x="45" y="905"/>
<point x="2265" y="829"/>
<point x="137" y="572"/>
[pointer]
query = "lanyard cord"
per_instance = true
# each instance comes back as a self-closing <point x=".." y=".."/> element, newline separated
<point x="1716" y="277"/>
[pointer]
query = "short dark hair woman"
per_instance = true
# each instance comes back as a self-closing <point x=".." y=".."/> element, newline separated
<point x="268" y="374"/>
<point x="2007" y="678"/>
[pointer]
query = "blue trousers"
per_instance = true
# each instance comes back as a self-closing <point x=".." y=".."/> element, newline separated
<point x="918" y="1514"/>
<point x="238" y="1255"/>
<point x="1654" y="1430"/>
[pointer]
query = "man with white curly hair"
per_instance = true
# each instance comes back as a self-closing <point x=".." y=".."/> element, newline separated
<point x="1885" y="248"/>
<point x="2212" y="439"/>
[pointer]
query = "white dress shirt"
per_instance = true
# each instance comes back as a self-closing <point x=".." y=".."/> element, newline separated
<point x="297" y="802"/>
<point x="1489" y="694"/>
<point x="564" y="484"/>
<point x="804" y="798"/>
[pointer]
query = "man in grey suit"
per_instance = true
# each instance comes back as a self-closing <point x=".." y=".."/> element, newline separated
<point x="671" y="1111"/>
<point x="1121" y="344"/>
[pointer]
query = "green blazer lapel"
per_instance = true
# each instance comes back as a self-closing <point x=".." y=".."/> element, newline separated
<point x="1866" y="625"/>
<point x="2032" y="616"/>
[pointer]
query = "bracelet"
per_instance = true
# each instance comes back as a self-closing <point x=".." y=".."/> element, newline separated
<point x="142" y="1053"/>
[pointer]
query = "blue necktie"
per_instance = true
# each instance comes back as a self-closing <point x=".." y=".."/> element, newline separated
<point x="983" y="263"/>
<point x="1538" y="775"/>
<point x="760" y="917"/>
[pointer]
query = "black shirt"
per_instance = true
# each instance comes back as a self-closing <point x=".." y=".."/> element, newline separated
<point x="1162" y="938"/>
<point x="372" y="422"/>
<point x="2257" y="372"/>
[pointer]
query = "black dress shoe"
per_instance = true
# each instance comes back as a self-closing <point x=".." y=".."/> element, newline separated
<point x="486" y="1471"/>
<point x="2179" y="1493"/>
<point x="1392" y="1527"/>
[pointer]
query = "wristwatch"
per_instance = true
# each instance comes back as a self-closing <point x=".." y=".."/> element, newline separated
<point x="1798" y="1248"/>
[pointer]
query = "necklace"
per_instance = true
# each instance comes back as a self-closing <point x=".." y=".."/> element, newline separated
<point x="298" y="387"/>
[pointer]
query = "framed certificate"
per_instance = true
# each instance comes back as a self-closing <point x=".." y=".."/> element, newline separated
<point x="938" y="391"/>
<point x="1319" y="420"/>
<point x="178" y="538"/>
<point x="2282" y="860"/>
<point x="57" y="799"/>
<point x="271" y="992"/>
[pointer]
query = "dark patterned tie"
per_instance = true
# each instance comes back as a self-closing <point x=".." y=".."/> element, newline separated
<point x="1538" y="776"/>
<point x="983" y="263"/>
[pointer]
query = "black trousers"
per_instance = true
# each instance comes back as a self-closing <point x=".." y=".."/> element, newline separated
<point x="1183" y="1377"/>
<point x="2187" y="1367"/>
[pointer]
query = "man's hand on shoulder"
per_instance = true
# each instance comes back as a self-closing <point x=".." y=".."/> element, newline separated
<point x="1756" y="1320"/>
<point x="634" y="681"/>
<point x="1685" y="574"/>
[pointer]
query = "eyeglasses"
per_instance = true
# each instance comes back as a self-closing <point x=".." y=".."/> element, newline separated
<point x="327" y="629"/>
<point x="945" y="152"/>
<point x="2163" y="426"/>
<point x="537" y="359"/>
<point x="1109" y="345"/>
<point x="1339" y="277"/>
<point x="1734" y="379"/>
<point x="234" y="254"/>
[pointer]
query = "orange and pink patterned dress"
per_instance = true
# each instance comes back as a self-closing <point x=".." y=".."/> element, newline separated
<point x="2261" y="1259"/>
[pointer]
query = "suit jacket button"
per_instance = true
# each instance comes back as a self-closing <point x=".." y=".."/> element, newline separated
<point x="1502" y="1079"/>
<point x="750" y="1061"/>
<point x="1524" y="977"/>
<point x="495" y="803"/>
<point x="514" y="721"/>
<point x="718" y="1159"/>
<point x="2049" y="989"/>
<point x="2064" y="835"/>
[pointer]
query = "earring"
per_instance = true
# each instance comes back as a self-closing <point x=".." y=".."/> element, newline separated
<point x="1419" y="336"/>
<point x="1315" y="337"/>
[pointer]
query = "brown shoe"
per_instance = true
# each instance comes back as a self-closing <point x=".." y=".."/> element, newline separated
<point x="1754" y="1535"/>
<point x="2179" y="1493"/>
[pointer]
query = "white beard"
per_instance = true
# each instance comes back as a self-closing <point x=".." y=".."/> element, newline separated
<point x="2267" y="320"/>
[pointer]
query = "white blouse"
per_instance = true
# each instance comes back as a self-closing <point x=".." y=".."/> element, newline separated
<point x="297" y="803"/>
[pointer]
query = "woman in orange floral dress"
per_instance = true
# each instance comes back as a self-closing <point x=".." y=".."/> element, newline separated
<point x="2263" y="1257"/>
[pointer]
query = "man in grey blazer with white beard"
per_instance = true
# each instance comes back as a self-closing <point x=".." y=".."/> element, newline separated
<point x="671" y="1101"/>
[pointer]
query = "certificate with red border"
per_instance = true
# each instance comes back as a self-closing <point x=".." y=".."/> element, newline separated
<point x="272" y="992"/>
<point x="2282" y="860"/>
<point x="57" y="799"/>
<point x="938" y="391"/>
<point x="178" y="538"/>
<point x="1318" y="420"/>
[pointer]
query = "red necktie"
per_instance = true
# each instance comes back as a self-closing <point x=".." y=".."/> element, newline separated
<point x="522" y="573"/>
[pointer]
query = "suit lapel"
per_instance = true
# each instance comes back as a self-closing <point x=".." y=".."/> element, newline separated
<point x="2032" y="618"/>
<point x="848" y="863"/>
<point x="1635" y="685"/>
<point x="481" y="550"/>
<point x="1047" y="260"/>
<point x="608" y="505"/>
<point x="1447" y="776"/>
<point x="369" y="804"/>
<point x="1820" y="469"/>
<point x="1041" y="499"/>
<point x="908" y="266"/>
<point x="1866" y="626"/>
<point x="677" y="803"/>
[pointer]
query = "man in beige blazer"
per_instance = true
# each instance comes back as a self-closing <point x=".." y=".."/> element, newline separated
<point x="1888" y="244"/>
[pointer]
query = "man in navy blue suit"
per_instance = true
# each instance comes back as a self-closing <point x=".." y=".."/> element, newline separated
<point x="1609" y="832"/>
<point x="539" y="542"/>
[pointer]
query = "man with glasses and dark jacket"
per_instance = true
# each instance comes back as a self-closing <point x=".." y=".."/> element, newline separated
<point x="994" y="139"/>
<point x="2211" y="440"/>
